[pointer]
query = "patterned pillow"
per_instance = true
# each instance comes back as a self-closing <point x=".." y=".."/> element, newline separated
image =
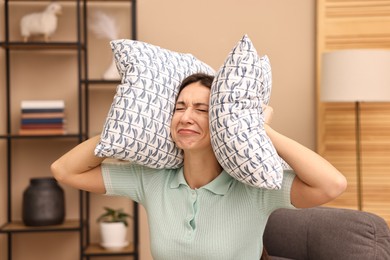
<point x="137" y="127"/>
<point x="265" y="94"/>
<point x="238" y="136"/>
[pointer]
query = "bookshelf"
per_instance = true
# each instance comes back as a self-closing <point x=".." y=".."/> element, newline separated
<point x="63" y="75"/>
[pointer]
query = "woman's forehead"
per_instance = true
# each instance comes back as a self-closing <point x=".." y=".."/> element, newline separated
<point x="194" y="92"/>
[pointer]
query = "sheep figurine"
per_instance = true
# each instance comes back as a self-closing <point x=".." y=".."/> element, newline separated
<point x="42" y="23"/>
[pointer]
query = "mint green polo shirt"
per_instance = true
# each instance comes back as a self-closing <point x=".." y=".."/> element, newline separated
<point x="224" y="219"/>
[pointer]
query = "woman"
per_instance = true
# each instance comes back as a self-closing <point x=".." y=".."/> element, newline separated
<point x="199" y="211"/>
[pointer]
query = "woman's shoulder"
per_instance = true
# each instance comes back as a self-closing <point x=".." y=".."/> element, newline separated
<point x="134" y="179"/>
<point x="119" y="167"/>
<point x="288" y="177"/>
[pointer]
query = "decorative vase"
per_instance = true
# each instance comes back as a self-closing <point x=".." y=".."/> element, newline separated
<point x="43" y="203"/>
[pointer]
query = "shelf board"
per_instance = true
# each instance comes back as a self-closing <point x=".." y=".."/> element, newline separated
<point x="108" y="1"/>
<point x="97" y="250"/>
<point x="15" y="136"/>
<point x="100" y="81"/>
<point x="18" y="226"/>
<point x="40" y="45"/>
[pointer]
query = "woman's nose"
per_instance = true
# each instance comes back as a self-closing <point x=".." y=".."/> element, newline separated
<point x="186" y="117"/>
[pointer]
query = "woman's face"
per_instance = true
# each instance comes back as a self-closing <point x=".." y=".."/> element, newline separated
<point x="190" y="121"/>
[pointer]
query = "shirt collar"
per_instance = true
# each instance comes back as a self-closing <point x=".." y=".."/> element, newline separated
<point x="219" y="185"/>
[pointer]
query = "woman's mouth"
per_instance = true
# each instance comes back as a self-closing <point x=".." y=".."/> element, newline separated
<point x="186" y="131"/>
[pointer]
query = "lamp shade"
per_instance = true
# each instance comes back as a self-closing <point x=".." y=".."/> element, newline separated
<point x="355" y="75"/>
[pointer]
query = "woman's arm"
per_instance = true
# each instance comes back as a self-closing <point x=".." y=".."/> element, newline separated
<point x="317" y="181"/>
<point x="80" y="168"/>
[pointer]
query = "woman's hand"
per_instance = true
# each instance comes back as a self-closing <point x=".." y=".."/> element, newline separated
<point x="267" y="113"/>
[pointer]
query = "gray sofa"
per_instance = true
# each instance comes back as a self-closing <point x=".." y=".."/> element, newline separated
<point x="326" y="233"/>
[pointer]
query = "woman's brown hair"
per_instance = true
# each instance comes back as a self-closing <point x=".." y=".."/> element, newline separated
<point x="204" y="79"/>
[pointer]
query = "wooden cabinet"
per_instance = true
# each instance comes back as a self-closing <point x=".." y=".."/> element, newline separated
<point x="68" y="67"/>
<point x="355" y="25"/>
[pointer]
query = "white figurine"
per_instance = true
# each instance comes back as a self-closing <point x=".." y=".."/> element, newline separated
<point x="43" y="23"/>
<point x="105" y="26"/>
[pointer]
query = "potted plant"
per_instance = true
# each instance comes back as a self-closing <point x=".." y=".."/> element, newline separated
<point x="113" y="228"/>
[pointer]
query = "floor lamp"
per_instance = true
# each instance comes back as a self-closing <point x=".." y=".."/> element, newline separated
<point x="357" y="75"/>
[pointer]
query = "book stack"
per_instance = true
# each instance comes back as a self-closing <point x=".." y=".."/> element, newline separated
<point x="42" y="117"/>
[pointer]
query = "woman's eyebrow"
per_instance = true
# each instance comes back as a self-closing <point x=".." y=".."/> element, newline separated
<point x="195" y="104"/>
<point x="201" y="104"/>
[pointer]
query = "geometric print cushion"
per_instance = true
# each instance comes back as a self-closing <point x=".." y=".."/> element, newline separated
<point x="238" y="137"/>
<point x="265" y="94"/>
<point x="137" y="127"/>
<point x="266" y="87"/>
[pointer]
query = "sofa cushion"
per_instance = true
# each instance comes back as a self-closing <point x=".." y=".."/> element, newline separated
<point x="324" y="233"/>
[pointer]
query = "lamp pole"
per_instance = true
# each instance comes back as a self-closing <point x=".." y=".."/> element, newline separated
<point x="358" y="156"/>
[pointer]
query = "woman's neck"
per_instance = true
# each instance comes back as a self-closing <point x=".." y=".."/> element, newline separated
<point x="200" y="168"/>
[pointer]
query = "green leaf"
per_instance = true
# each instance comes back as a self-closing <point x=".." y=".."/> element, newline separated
<point x="114" y="215"/>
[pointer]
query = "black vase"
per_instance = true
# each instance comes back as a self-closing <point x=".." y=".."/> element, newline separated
<point x="43" y="203"/>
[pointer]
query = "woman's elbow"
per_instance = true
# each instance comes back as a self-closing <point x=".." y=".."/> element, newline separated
<point x="338" y="187"/>
<point x="57" y="171"/>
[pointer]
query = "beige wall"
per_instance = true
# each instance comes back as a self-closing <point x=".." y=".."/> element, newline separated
<point x="282" y="29"/>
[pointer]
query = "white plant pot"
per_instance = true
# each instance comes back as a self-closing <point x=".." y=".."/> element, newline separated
<point x="113" y="235"/>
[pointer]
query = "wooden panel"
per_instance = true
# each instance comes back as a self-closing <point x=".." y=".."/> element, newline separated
<point x="375" y="129"/>
<point x="356" y="24"/>
<point x="339" y="147"/>
<point x="352" y="24"/>
<point x="358" y="9"/>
